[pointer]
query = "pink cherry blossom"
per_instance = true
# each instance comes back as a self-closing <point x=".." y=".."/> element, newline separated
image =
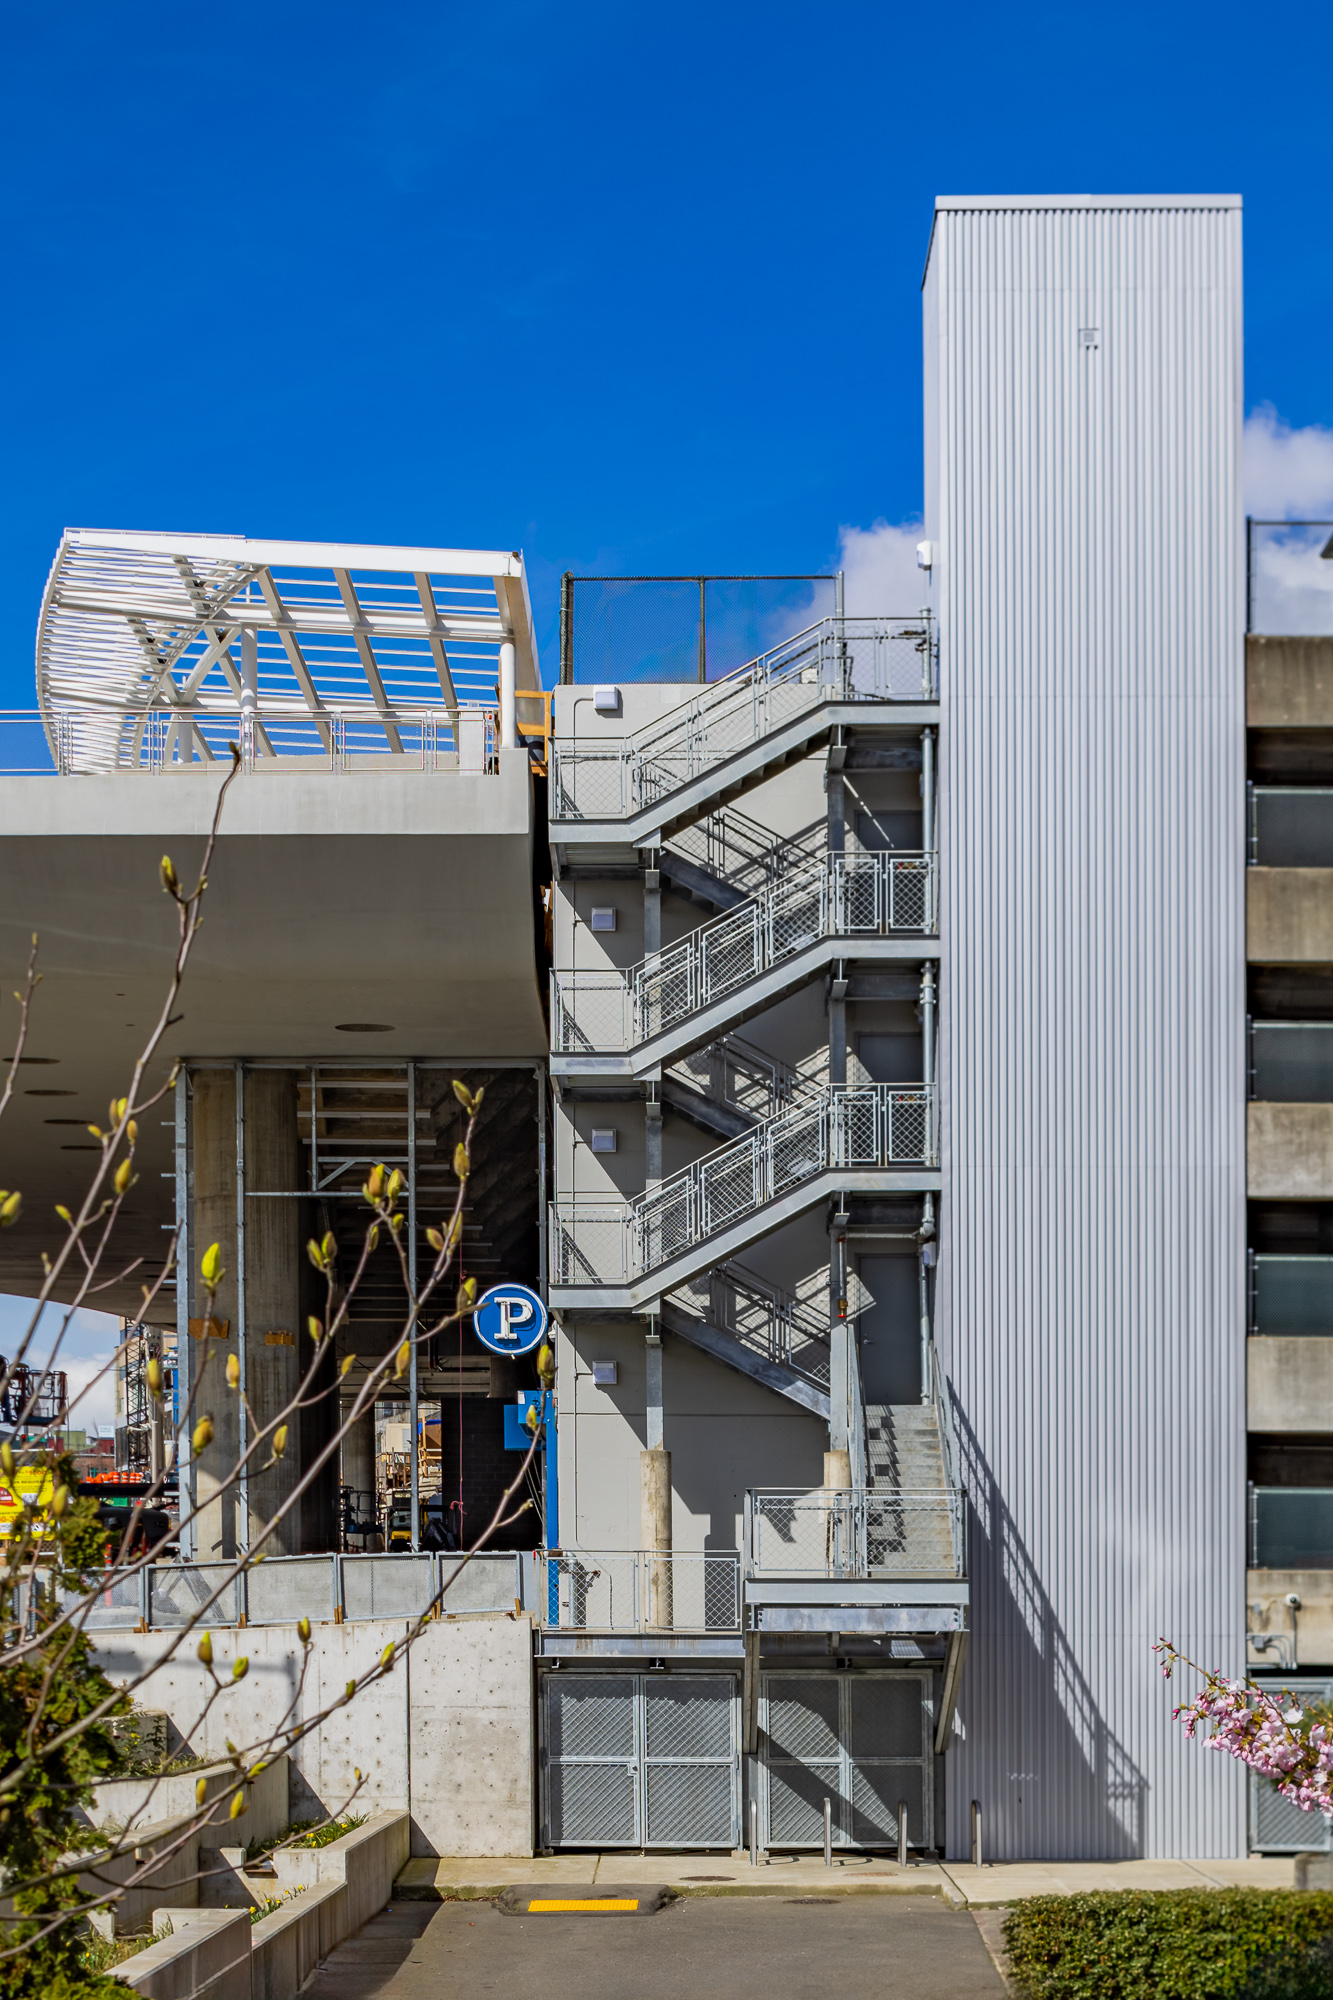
<point x="1261" y="1730"/>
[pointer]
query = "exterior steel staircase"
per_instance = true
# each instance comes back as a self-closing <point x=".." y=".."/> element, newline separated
<point x="840" y="905"/>
<point x="730" y="1086"/>
<point x="734" y="733"/>
<point x="757" y="1328"/>
<point x="727" y="857"/>
<point x="871" y="1138"/>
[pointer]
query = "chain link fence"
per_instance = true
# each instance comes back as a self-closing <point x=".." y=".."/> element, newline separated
<point x="682" y="628"/>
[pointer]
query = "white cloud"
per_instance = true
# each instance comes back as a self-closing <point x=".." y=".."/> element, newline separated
<point x="879" y="565"/>
<point x="1288" y="469"/>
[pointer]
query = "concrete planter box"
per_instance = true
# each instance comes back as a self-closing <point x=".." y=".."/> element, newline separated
<point x="129" y="1801"/>
<point x="220" y="1955"/>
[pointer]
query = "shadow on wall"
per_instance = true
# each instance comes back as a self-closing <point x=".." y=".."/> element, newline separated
<point x="1031" y="1746"/>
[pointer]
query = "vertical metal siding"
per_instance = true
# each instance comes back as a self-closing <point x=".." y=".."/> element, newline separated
<point x="1092" y="1266"/>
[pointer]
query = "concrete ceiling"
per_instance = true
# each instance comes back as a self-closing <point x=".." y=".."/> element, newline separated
<point x="402" y="898"/>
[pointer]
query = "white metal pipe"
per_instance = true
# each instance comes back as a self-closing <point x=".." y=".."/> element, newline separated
<point x="508" y="700"/>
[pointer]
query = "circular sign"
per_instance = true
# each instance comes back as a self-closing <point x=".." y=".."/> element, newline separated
<point x="509" y="1319"/>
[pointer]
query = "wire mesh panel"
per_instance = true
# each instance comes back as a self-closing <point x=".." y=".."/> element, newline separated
<point x="860" y="1740"/>
<point x="592" y="1760"/>
<point x="386" y="1586"/>
<point x="1279" y="1826"/>
<point x="289" y="1587"/>
<point x="179" y="1591"/>
<point x="641" y="1760"/>
<point x="690" y="1765"/>
<point x="802" y="1757"/>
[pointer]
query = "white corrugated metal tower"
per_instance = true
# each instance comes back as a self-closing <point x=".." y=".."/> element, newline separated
<point x="1083" y="419"/>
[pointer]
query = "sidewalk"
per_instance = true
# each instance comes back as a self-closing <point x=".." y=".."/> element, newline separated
<point x="956" y="1882"/>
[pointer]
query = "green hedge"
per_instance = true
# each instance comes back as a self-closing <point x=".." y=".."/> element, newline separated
<point x="1191" y="1944"/>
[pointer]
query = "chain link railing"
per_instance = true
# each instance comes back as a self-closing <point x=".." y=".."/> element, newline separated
<point x="846" y="1532"/>
<point x="847" y="1127"/>
<point x="843" y="895"/>
<point x="771" y="1323"/>
<point x="839" y="659"/>
<point x="642" y="1590"/>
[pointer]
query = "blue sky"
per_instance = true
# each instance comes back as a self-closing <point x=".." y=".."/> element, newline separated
<point x="632" y="288"/>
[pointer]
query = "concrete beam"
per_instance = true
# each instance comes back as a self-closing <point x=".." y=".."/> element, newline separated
<point x="1307" y="1629"/>
<point x="1289" y="916"/>
<point x="1289" y="1384"/>
<point x="1289" y="1152"/>
<point x="1288" y="683"/>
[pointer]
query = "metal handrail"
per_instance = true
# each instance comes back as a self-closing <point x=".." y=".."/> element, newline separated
<point x="841" y="895"/>
<point x="769" y="1322"/>
<point x="740" y="851"/>
<point x="732" y="1071"/>
<point x="164" y="1595"/>
<point x="641" y="1590"/>
<point x="273" y="733"/>
<point x="837" y="659"/>
<point x="846" y="1127"/>
<point x="847" y="1532"/>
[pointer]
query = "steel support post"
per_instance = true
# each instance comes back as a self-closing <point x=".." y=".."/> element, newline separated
<point x="243" y="1484"/>
<point x="413" y="1383"/>
<point x="184" y="1283"/>
<point x="539" y="1078"/>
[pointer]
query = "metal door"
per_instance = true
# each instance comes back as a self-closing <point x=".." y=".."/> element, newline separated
<point x="641" y="1760"/>
<point x="861" y="1740"/>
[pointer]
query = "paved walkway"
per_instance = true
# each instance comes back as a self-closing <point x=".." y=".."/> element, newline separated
<point x="955" y="1883"/>
<point x="801" y="1947"/>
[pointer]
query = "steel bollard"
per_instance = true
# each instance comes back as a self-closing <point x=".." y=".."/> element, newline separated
<point x="754" y="1833"/>
<point x="976" y="1834"/>
<point x="828" y="1833"/>
<point x="902" y="1833"/>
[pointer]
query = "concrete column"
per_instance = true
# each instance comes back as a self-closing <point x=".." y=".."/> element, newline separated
<point x="508" y="703"/>
<point x="358" y="1460"/>
<point x="215" y="1222"/>
<point x="839" y="1420"/>
<point x="652" y="1143"/>
<point x="655" y="1491"/>
<point x="273" y="1294"/>
<point x="652" y="908"/>
<point x="272" y="1323"/>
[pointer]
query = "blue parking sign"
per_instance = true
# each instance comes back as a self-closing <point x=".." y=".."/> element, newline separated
<point x="510" y="1319"/>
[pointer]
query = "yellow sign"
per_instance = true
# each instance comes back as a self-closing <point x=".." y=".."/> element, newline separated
<point x="31" y="1484"/>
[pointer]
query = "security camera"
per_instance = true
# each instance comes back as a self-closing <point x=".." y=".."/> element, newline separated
<point x="1293" y="1600"/>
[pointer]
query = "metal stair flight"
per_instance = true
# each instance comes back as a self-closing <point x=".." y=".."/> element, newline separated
<point x="871" y="1138"/>
<point x="736" y="732"/>
<point x="607" y="1022"/>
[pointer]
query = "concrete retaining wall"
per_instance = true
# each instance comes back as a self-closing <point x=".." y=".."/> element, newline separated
<point x="220" y="1955"/>
<point x="447" y="1735"/>
<point x="207" y="1957"/>
<point x="142" y="1800"/>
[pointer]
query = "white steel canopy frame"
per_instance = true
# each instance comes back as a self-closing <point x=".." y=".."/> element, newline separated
<point x="161" y="633"/>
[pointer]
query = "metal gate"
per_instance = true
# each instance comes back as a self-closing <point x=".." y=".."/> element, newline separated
<point x="641" y="1760"/>
<point x="861" y="1740"/>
